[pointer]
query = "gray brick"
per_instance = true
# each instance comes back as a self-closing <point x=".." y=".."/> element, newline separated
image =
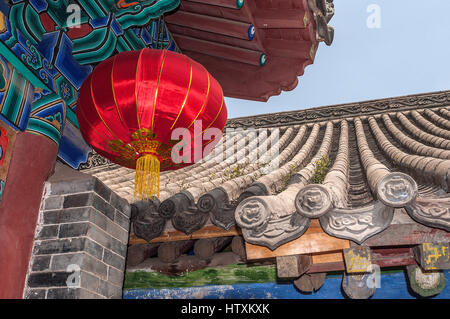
<point x="63" y="245"/>
<point x="104" y="239"/>
<point x="99" y="236"/>
<point x="122" y="220"/>
<point x="73" y="215"/>
<point x="69" y="215"/>
<point x="63" y="293"/>
<point x="121" y="204"/>
<point x="84" y="261"/>
<point x="85" y="294"/>
<point x="118" y="247"/>
<point x="48" y="279"/>
<point x="115" y="276"/>
<point x="41" y="263"/>
<point x="74" y="230"/>
<point x="51" y="217"/>
<point x="102" y="190"/>
<point x="78" y="200"/>
<point x="117" y="232"/>
<point x="92" y="265"/>
<point x="114" y="260"/>
<point x="104" y="207"/>
<point x="90" y="282"/>
<point x="110" y="291"/>
<point x="61" y="262"/>
<point x="97" y="218"/>
<point x="59" y="246"/>
<point x="72" y="186"/>
<point x="35" y="293"/>
<point x="94" y="249"/>
<point x="48" y="232"/>
<point x="53" y="202"/>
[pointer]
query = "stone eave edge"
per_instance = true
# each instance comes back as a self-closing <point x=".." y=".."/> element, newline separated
<point x="347" y="110"/>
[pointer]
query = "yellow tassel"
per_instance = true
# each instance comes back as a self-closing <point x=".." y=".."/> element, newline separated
<point x="146" y="183"/>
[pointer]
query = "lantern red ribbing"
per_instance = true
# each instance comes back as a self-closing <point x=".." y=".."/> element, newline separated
<point x="130" y="104"/>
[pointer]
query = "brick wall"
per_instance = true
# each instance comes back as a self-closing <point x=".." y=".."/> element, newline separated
<point x="81" y="239"/>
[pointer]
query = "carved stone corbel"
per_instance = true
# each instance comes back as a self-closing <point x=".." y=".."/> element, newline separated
<point x="327" y="8"/>
<point x="397" y="190"/>
<point x="313" y="201"/>
<point x="262" y="225"/>
<point x="432" y="212"/>
<point x="323" y="11"/>
<point x="147" y="223"/>
<point x="184" y="214"/>
<point x="357" y="224"/>
<point x="178" y="202"/>
<point x="217" y="204"/>
<point x="400" y="190"/>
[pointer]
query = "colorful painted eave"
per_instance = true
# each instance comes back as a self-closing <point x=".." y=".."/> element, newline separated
<point x="254" y="48"/>
<point x="53" y="57"/>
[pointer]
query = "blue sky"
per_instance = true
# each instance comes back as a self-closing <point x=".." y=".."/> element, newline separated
<point x="408" y="54"/>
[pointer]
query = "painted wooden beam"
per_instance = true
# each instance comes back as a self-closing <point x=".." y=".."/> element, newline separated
<point x="205" y="248"/>
<point x="315" y="240"/>
<point x="214" y="37"/>
<point x="138" y="253"/>
<point x="293" y="266"/>
<point x="290" y="48"/>
<point x="386" y="257"/>
<point x="281" y="19"/>
<point x="433" y="256"/>
<point x="230" y="28"/>
<point x="233" y="4"/>
<point x="222" y="51"/>
<point x="357" y="259"/>
<point x="242" y="15"/>
<point x="209" y="231"/>
<point x="169" y="252"/>
<point x="408" y="234"/>
<point x="324" y="258"/>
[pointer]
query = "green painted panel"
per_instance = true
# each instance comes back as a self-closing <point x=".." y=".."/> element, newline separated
<point x="15" y="98"/>
<point x="44" y="128"/>
<point x="71" y="116"/>
<point x="229" y="275"/>
<point x="18" y="64"/>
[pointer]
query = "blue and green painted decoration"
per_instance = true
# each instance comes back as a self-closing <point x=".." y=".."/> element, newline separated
<point x="45" y="57"/>
<point x="254" y="282"/>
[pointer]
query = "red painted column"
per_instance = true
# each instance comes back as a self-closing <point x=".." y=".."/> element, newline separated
<point x="32" y="162"/>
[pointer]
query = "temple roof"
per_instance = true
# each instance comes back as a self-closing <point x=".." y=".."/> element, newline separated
<point x="351" y="166"/>
<point x="254" y="48"/>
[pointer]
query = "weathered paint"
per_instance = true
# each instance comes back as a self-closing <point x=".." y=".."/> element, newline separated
<point x="228" y="275"/>
<point x="393" y="286"/>
<point x="19" y="208"/>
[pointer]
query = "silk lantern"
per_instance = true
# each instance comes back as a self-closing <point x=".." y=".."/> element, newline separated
<point x="131" y="103"/>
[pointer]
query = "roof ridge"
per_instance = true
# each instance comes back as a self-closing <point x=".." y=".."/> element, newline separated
<point x="376" y="106"/>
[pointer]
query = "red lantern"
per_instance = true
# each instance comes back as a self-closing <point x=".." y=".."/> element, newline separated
<point x="130" y="104"/>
